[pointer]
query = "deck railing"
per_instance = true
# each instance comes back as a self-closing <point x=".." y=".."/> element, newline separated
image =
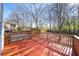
<point x="76" y="44"/>
<point x="10" y="36"/>
<point x="64" y="46"/>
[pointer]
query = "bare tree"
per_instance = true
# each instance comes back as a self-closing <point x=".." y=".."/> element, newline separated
<point x="33" y="10"/>
<point x="78" y="16"/>
<point x="14" y="16"/>
<point x="58" y="10"/>
<point x="57" y="15"/>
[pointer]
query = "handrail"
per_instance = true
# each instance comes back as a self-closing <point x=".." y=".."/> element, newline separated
<point x="76" y="37"/>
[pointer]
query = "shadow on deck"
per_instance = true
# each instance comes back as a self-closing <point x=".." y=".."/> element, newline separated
<point x="44" y="44"/>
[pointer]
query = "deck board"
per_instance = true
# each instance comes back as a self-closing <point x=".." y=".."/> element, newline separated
<point x="39" y="45"/>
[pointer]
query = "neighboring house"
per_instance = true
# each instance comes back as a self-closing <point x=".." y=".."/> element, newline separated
<point x="10" y="25"/>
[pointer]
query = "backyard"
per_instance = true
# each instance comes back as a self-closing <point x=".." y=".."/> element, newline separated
<point x="38" y="29"/>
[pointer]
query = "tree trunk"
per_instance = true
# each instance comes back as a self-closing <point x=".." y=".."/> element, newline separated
<point x="59" y="34"/>
<point x="50" y="25"/>
<point x="36" y="24"/>
<point x="30" y="25"/>
<point x="78" y="27"/>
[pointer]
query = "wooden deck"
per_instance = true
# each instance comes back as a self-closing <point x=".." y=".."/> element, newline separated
<point x="42" y="44"/>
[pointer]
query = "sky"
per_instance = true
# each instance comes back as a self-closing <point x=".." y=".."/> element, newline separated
<point x="7" y="9"/>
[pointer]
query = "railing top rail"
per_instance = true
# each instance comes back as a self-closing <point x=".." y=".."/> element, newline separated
<point x="76" y="36"/>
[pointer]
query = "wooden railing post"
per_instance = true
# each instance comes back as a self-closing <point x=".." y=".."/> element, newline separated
<point x="76" y="45"/>
<point x="9" y="40"/>
<point x="47" y="35"/>
<point x="73" y="42"/>
<point x="73" y="46"/>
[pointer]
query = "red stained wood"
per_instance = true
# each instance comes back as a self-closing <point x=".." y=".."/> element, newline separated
<point x="37" y="46"/>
